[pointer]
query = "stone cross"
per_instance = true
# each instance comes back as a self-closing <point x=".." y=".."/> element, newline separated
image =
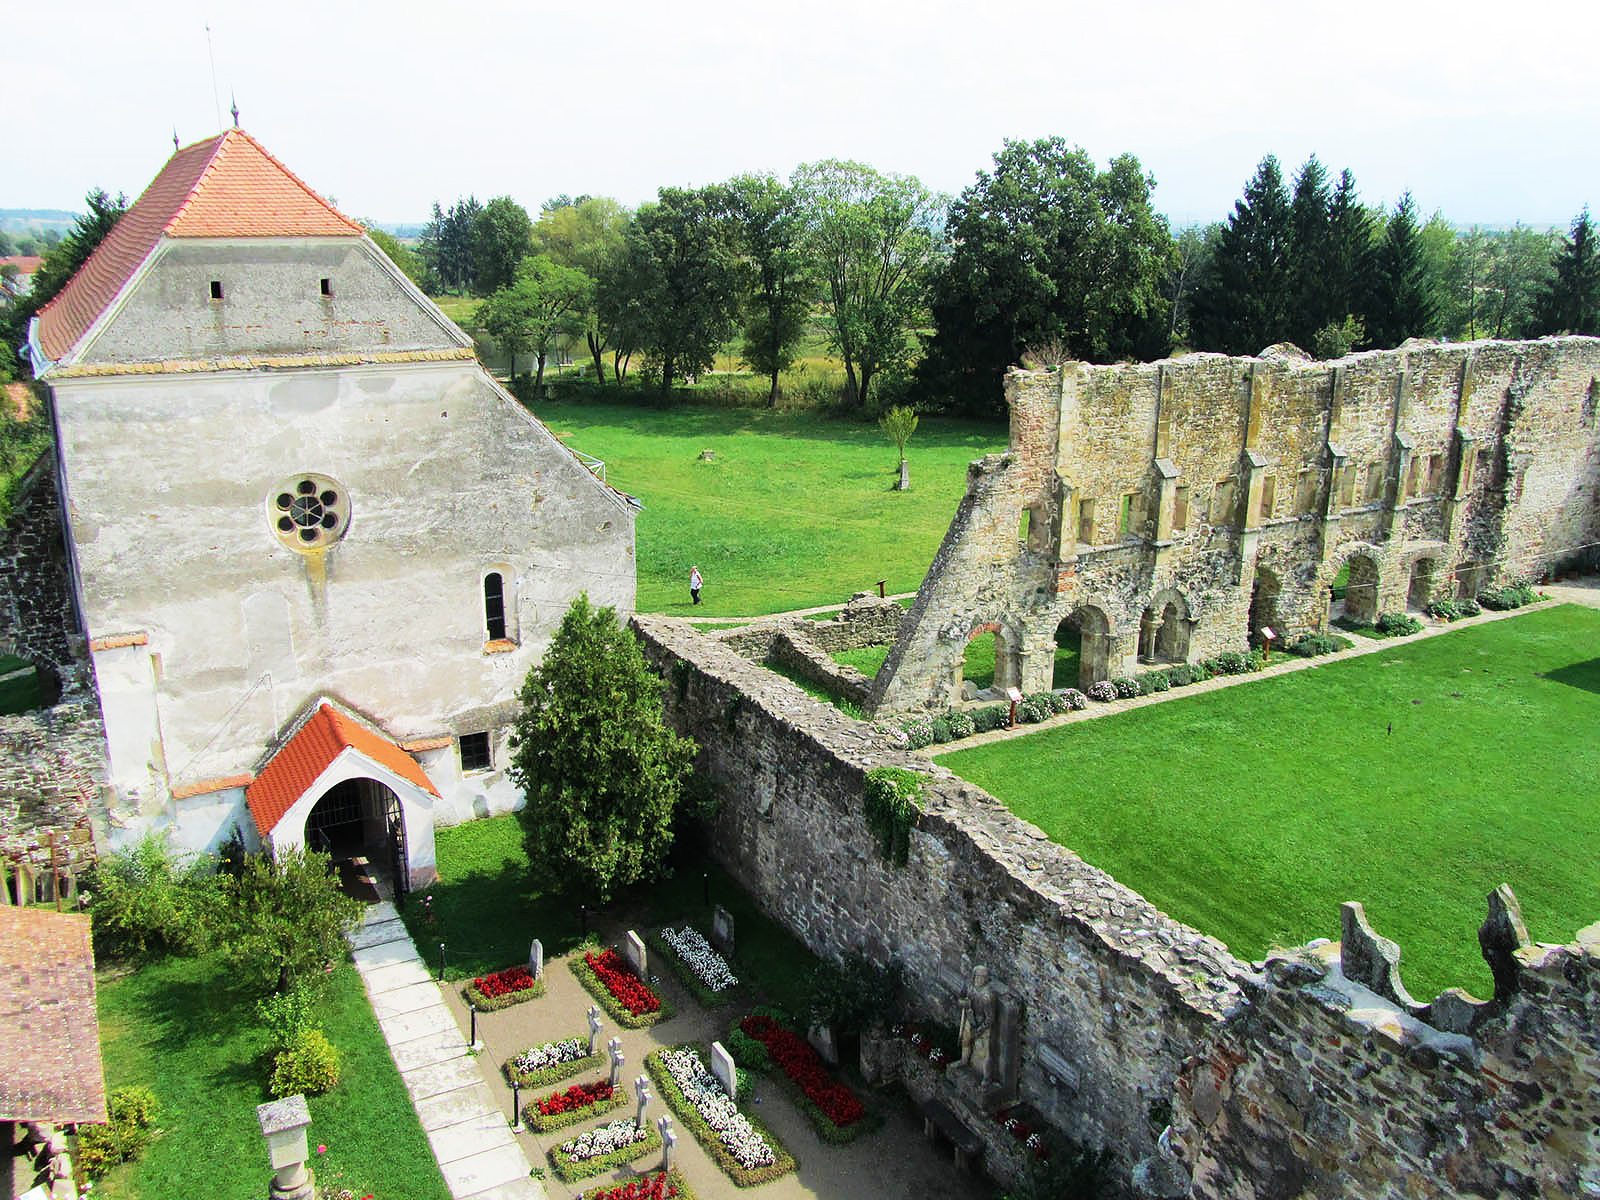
<point x="722" y="929"/>
<point x="536" y="959"/>
<point x="722" y="1068"/>
<point x="616" y="1060"/>
<point x="594" y="1029"/>
<point x="283" y="1125"/>
<point x="641" y="1091"/>
<point x="669" y="1141"/>
<point x="633" y="951"/>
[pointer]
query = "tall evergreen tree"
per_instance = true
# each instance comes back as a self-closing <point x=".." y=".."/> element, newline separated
<point x="1349" y="251"/>
<point x="447" y="243"/>
<point x="1243" y="304"/>
<point x="1571" y="300"/>
<point x="1401" y="303"/>
<point x="1310" y="247"/>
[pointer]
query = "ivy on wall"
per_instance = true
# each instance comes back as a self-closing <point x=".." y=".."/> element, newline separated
<point x="892" y="800"/>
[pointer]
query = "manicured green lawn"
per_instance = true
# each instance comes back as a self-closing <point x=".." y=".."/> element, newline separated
<point x="795" y="510"/>
<point x="22" y="693"/>
<point x="487" y="908"/>
<point x="180" y="1028"/>
<point x="1252" y="812"/>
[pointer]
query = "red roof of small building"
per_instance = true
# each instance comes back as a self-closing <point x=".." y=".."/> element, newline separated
<point x="49" y="1033"/>
<point x="26" y="264"/>
<point x="227" y="186"/>
<point x="305" y="756"/>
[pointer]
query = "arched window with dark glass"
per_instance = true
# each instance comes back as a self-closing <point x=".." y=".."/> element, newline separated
<point x="494" y="605"/>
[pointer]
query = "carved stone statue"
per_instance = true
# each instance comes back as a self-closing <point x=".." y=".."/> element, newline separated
<point x="977" y="1024"/>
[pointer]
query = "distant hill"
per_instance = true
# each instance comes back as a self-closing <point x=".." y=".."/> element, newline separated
<point x="35" y="218"/>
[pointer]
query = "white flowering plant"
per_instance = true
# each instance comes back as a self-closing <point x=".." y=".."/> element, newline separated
<point x="603" y="1147"/>
<point x="550" y="1062"/>
<point x="692" y="950"/>
<point x="748" y="1152"/>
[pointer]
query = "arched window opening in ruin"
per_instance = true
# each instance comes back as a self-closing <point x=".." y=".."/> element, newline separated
<point x="1164" y="629"/>
<point x="1360" y="602"/>
<point x="1068" y="665"/>
<point x="991" y="662"/>
<point x="1420" y="593"/>
<point x="358" y="823"/>
<point x="1093" y="633"/>
<point x="1264" y="606"/>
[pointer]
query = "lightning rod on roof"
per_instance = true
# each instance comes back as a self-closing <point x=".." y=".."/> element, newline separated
<point x="174" y="139"/>
<point x="212" y="55"/>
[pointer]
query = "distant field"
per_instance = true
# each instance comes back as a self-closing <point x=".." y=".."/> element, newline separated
<point x="1252" y="812"/>
<point x="795" y="510"/>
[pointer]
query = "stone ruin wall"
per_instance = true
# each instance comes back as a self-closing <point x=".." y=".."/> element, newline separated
<point x="1312" y="1074"/>
<point x="1479" y="460"/>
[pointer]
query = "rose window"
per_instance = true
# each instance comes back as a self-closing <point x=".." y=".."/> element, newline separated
<point x="309" y="512"/>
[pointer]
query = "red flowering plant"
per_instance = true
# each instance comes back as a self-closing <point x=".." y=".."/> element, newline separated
<point x="832" y="1101"/>
<point x="628" y="999"/>
<point x="570" y="1105"/>
<point x="935" y="1046"/>
<point x="502" y="989"/>
<point x="660" y="1185"/>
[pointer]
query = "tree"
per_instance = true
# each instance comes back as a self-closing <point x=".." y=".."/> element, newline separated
<point x="1401" y="304"/>
<point x="1192" y="253"/>
<point x="285" y="918"/>
<point x="1047" y="249"/>
<point x="399" y="254"/>
<point x="1518" y="273"/>
<point x="674" y="288"/>
<point x="600" y="771"/>
<point x="502" y="236"/>
<point x="900" y="423"/>
<point x="874" y="239"/>
<point x="587" y="234"/>
<point x="447" y="244"/>
<point x="1310" y="306"/>
<point x="1243" y="304"/>
<point x="769" y="225"/>
<point x="545" y="301"/>
<point x="1571" y="300"/>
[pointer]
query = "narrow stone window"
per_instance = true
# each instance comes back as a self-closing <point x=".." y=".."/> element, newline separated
<point x="1375" y="481"/>
<point x="216" y="289"/>
<point x="1269" y="495"/>
<point x="327" y="287"/>
<point x="1222" y="510"/>
<point x="1086" y="522"/>
<point x="1305" y="492"/>
<point x="1435" y="471"/>
<point x="475" y="755"/>
<point x="494" y="605"/>
<point x="1412" y="476"/>
<point x="1129" y="514"/>
<point x="1180" y="507"/>
<point x="1349" y="490"/>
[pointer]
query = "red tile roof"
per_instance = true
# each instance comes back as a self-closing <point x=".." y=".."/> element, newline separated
<point x="26" y="264"/>
<point x="226" y="186"/>
<point x="49" y="1033"/>
<point x="306" y="755"/>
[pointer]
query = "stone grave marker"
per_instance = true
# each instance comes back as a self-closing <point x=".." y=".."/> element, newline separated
<point x="669" y="1141"/>
<point x="641" y="1092"/>
<point x="536" y="959"/>
<point x="616" y="1061"/>
<point x="722" y="930"/>
<point x="594" y="1029"/>
<point x="633" y="952"/>
<point x="824" y="1042"/>
<point x="722" y="1068"/>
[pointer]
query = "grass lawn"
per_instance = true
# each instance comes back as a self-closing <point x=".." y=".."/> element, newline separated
<point x="21" y="694"/>
<point x="179" y="1027"/>
<point x="795" y="510"/>
<point x="1252" y="812"/>
<point x="487" y="908"/>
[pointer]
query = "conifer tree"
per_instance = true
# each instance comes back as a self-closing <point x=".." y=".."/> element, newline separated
<point x="1571" y="300"/>
<point x="1349" y="253"/>
<point x="1243" y="304"/>
<point x="1310" y="247"/>
<point x="1401" y="304"/>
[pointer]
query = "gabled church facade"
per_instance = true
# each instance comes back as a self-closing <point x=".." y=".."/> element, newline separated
<point x="315" y="547"/>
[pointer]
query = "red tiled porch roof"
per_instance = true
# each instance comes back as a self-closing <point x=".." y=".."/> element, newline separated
<point x="305" y="756"/>
<point x="49" y="1033"/>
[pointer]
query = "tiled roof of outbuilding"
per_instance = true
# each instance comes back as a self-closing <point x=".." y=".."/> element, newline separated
<point x="226" y="186"/>
<point x="306" y="755"/>
<point x="49" y="1033"/>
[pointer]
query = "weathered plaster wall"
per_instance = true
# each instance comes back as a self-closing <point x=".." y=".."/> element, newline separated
<point x="271" y="303"/>
<point x="1188" y="482"/>
<point x="210" y="634"/>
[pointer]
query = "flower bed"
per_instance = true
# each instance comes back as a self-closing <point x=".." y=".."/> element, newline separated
<point x="571" y="1105"/>
<point x="938" y="1048"/>
<point x="662" y="1185"/>
<point x="701" y="970"/>
<point x="741" y="1145"/>
<point x="1011" y="1120"/>
<point x="631" y="1003"/>
<point x="503" y="989"/>
<point x="551" y="1062"/>
<point x="835" y="1111"/>
<point x="603" y="1147"/>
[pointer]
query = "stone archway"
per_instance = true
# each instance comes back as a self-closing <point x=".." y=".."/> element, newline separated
<point x="1093" y="630"/>
<point x="359" y="824"/>
<point x="1420" y="592"/>
<point x="992" y="660"/>
<point x="1164" y="629"/>
<point x="1361" y="590"/>
<point x="1264" y="605"/>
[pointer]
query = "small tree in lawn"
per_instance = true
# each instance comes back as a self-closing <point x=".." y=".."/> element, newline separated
<point x="900" y="423"/>
<point x="285" y="918"/>
<point x="600" y="771"/>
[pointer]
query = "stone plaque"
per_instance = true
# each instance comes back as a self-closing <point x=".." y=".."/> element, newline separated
<point x="722" y="1068"/>
<point x="536" y="959"/>
<point x="722" y="929"/>
<point x="822" y="1040"/>
<point x="634" y="954"/>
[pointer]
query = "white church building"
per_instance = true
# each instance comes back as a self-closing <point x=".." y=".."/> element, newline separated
<point x="315" y="547"/>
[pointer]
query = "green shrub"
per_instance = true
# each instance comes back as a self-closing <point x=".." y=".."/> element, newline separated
<point x="1229" y="662"/>
<point x="992" y="717"/>
<point x="941" y="729"/>
<point x="1314" y="644"/>
<point x="890" y="798"/>
<point x="288" y="1016"/>
<point x="132" y="1113"/>
<point x="1515" y="594"/>
<point x="747" y="1051"/>
<point x="919" y="733"/>
<point x="309" y="1066"/>
<point x="1444" y="610"/>
<point x="151" y="900"/>
<point x="961" y="725"/>
<point x="1396" y="624"/>
<point x="1125" y="687"/>
<point x="1058" y="702"/>
<point x="1181" y="675"/>
<point x="1469" y="607"/>
<point x="1255" y="659"/>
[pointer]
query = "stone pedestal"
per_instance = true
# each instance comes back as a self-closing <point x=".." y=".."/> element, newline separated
<point x="283" y="1125"/>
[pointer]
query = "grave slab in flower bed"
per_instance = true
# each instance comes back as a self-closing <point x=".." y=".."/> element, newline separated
<point x="835" y="1112"/>
<point x="747" y="1151"/>
<point x="704" y="973"/>
<point x="657" y="1185"/>
<point x="632" y="1003"/>
<point x="573" y="1105"/>
<point x="502" y="989"/>
<point x="597" y="1150"/>
<point x="551" y="1062"/>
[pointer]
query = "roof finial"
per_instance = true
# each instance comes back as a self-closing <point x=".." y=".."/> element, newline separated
<point x="235" y="100"/>
<point x="174" y="139"/>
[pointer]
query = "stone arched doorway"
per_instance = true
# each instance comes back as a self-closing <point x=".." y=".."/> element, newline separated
<point x="1164" y="629"/>
<point x="358" y="823"/>
<point x="1092" y="629"/>
<point x="1264" y="606"/>
<point x="990" y="663"/>
<point x="1420" y="593"/>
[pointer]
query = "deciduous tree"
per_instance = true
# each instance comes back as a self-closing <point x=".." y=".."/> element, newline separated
<point x="502" y="236"/>
<point x="600" y="770"/>
<point x="543" y="303"/>
<point x="769" y="226"/>
<point x="900" y="423"/>
<point x="586" y="234"/>
<point x="284" y="918"/>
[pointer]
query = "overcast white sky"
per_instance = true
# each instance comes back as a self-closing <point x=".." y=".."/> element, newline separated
<point x="1487" y="112"/>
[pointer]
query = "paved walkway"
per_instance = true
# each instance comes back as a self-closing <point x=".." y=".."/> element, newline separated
<point x="1584" y="591"/>
<point x="471" y="1138"/>
<point x="778" y="616"/>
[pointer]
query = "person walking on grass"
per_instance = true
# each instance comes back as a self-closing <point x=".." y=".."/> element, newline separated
<point x="694" y="584"/>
